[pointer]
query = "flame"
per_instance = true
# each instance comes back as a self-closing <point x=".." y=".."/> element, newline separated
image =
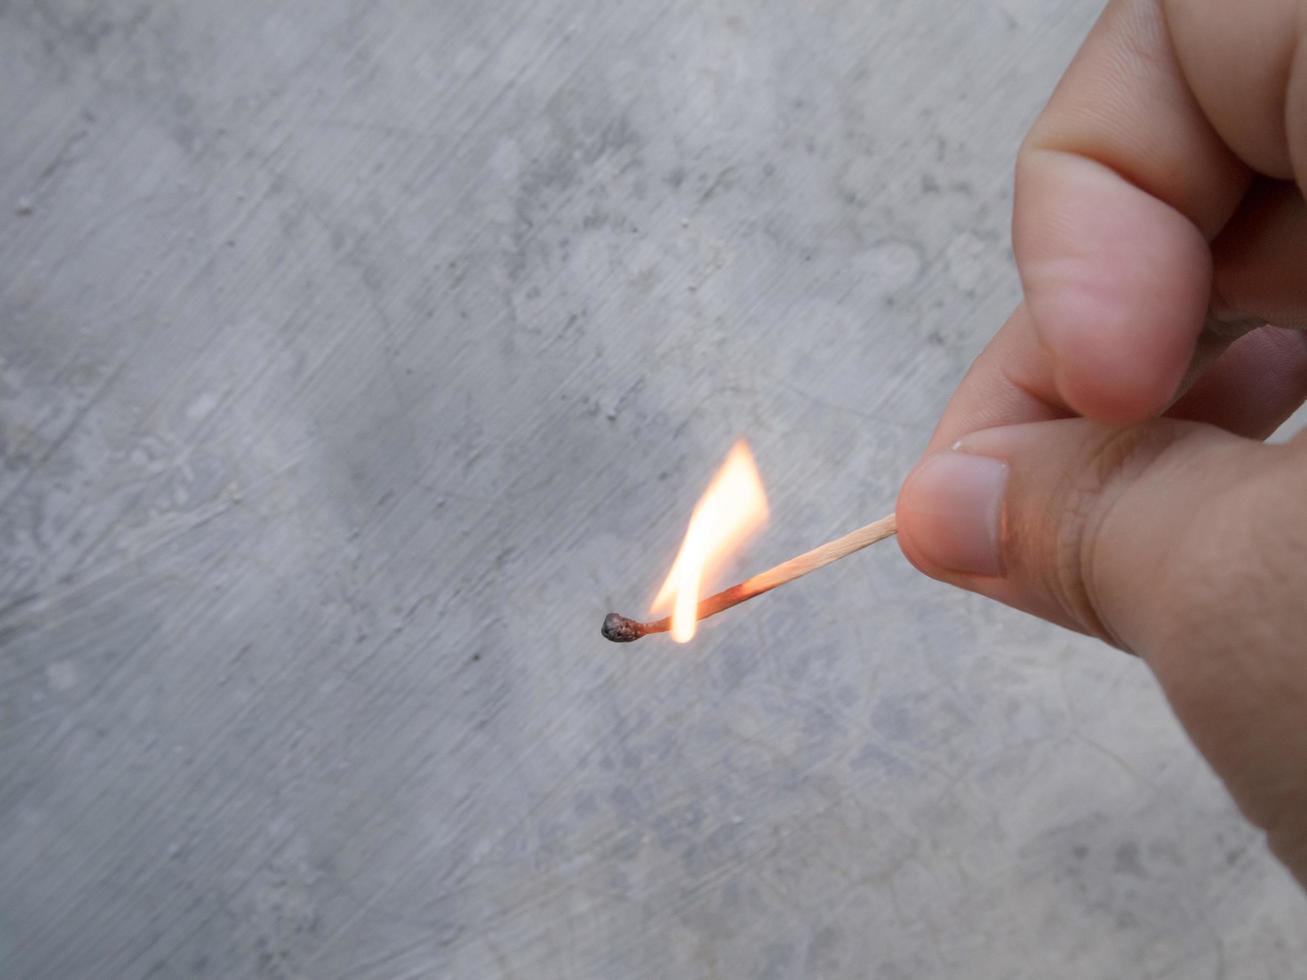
<point x="730" y="511"/>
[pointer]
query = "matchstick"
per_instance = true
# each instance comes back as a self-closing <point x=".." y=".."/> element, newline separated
<point x="619" y="629"/>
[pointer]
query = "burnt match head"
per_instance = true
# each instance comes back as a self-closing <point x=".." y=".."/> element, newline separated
<point x="619" y="629"/>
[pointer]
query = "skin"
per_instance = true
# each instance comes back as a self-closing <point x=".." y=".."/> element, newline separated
<point x="1160" y="215"/>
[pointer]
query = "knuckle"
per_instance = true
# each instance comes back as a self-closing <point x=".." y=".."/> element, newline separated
<point x="1089" y="500"/>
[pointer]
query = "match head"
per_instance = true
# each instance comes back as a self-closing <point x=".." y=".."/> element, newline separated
<point x="619" y="629"/>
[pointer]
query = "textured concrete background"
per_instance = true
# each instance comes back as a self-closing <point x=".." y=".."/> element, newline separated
<point x="357" y="357"/>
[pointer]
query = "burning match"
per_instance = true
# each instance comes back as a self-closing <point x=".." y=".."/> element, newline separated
<point x="731" y="509"/>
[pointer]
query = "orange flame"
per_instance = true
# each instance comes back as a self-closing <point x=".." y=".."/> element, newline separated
<point x="730" y="511"/>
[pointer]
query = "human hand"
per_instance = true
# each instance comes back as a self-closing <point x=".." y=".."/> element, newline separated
<point x="1101" y="464"/>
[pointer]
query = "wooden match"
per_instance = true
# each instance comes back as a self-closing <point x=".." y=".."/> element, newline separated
<point x="620" y="629"/>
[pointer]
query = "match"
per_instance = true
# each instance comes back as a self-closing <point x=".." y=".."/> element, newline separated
<point x="620" y="629"/>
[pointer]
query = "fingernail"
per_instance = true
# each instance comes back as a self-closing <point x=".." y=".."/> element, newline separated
<point x="954" y="504"/>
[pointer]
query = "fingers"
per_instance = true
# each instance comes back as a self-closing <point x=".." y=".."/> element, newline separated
<point x="1120" y="184"/>
<point x="1247" y="67"/>
<point x="1135" y="226"/>
<point x="1116" y="282"/>
<point x="1175" y="540"/>
<point x="1003" y="513"/>
<point x="1059" y="480"/>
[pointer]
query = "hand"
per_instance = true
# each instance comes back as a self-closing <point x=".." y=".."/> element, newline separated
<point x="1101" y="464"/>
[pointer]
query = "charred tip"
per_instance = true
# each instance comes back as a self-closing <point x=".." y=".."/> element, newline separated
<point x="619" y="629"/>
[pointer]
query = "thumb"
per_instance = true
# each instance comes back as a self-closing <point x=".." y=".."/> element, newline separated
<point x="1177" y="541"/>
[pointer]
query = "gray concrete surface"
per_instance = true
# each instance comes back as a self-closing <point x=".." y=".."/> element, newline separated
<point x="357" y="357"/>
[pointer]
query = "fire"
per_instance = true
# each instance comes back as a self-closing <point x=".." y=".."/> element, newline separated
<point x="730" y="511"/>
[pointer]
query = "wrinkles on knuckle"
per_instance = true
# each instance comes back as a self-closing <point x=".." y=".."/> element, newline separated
<point x="1090" y="500"/>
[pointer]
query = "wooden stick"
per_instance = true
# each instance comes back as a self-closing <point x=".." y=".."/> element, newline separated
<point x="619" y="629"/>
